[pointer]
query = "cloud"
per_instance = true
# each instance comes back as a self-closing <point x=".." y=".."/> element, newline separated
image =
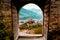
<point x="30" y="6"/>
<point x="30" y="11"/>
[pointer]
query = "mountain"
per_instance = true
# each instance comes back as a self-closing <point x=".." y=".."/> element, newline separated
<point x="25" y="14"/>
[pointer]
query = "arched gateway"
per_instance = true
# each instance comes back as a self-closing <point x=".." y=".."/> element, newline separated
<point x="17" y="9"/>
<point x="30" y="20"/>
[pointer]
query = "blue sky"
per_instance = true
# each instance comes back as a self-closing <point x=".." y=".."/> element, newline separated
<point x="30" y="11"/>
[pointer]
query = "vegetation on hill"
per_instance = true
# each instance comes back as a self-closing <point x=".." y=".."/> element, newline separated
<point x="37" y="27"/>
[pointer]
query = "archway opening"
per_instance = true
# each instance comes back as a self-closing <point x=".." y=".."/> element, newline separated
<point x="30" y="20"/>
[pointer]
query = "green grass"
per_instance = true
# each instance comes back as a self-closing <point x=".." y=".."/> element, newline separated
<point x="38" y="30"/>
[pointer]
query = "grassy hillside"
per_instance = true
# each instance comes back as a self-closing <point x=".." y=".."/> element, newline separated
<point x="37" y="28"/>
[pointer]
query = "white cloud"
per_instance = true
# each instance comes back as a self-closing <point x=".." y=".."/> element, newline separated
<point x="30" y="6"/>
<point x="33" y="6"/>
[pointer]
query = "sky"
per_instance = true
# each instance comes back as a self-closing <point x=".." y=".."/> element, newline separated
<point x="30" y="6"/>
<point x="30" y="10"/>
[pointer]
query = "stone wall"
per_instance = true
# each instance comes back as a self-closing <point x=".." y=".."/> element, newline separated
<point x="5" y="18"/>
<point x="54" y="23"/>
<point x="15" y="22"/>
<point x="51" y="19"/>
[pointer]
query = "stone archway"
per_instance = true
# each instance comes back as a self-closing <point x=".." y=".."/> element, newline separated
<point x="15" y="22"/>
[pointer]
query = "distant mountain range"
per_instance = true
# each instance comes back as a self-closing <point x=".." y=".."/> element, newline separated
<point x="25" y="14"/>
